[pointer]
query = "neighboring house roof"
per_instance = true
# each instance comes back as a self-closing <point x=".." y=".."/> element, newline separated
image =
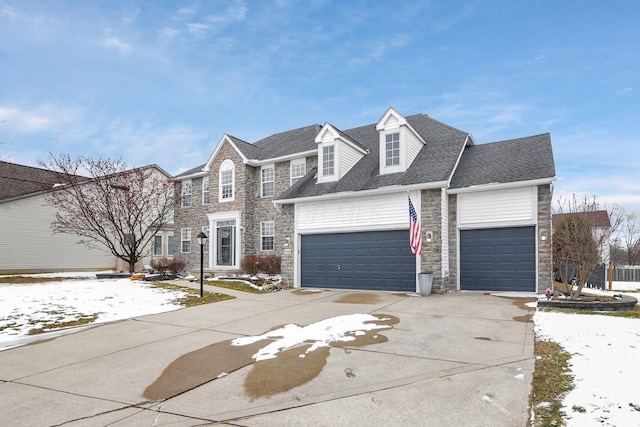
<point x="596" y="218"/>
<point x="434" y="163"/>
<point x="522" y="159"/>
<point x="19" y="180"/>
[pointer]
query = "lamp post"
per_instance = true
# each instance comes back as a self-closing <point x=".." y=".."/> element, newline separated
<point x="201" y="237"/>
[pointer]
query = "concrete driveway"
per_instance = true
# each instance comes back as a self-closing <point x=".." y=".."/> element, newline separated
<point x="462" y="359"/>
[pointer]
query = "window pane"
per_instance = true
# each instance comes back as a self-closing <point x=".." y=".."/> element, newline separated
<point x="327" y="160"/>
<point x="298" y="170"/>
<point x="267" y="236"/>
<point x="205" y="190"/>
<point x="185" y="235"/>
<point x="226" y="183"/>
<point x="268" y="184"/>
<point x="392" y="149"/>
<point x="157" y="245"/>
<point x="170" y="245"/>
<point x="186" y="193"/>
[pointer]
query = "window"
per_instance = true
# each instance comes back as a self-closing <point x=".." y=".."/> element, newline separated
<point x="186" y="194"/>
<point x="185" y="240"/>
<point x="205" y="190"/>
<point x="268" y="181"/>
<point x="392" y="149"/>
<point x="226" y="181"/>
<point x="170" y="245"/>
<point x="298" y="169"/>
<point x="157" y="245"/>
<point x="327" y="160"/>
<point x="266" y="236"/>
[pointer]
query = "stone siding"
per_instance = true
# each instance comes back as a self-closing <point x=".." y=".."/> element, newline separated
<point x="451" y="284"/>
<point x="545" y="262"/>
<point x="430" y="220"/>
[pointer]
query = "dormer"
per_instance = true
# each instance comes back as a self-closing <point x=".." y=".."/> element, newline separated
<point x="337" y="153"/>
<point x="399" y="143"/>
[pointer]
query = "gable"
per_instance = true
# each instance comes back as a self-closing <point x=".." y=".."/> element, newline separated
<point x="399" y="143"/>
<point x="337" y="154"/>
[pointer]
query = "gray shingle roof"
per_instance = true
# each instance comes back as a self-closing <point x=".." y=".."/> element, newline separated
<point x="18" y="180"/>
<point x="435" y="161"/>
<point x="514" y="160"/>
<point x="282" y="144"/>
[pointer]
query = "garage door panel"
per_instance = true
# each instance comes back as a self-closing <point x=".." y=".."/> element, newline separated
<point x="498" y="259"/>
<point x="368" y="260"/>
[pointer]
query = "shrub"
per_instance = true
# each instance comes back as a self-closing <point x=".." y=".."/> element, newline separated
<point x="250" y="264"/>
<point x="163" y="265"/>
<point x="268" y="264"/>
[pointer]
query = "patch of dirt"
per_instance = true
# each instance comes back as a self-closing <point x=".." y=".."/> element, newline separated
<point x="522" y="303"/>
<point x="359" y="298"/>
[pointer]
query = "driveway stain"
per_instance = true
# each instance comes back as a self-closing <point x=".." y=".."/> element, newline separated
<point x="359" y="298"/>
<point x="199" y="367"/>
<point x="291" y="368"/>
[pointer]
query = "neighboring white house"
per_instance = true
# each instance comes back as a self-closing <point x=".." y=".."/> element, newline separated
<point x="333" y="205"/>
<point x="28" y="244"/>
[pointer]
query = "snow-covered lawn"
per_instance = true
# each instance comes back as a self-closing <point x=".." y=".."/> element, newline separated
<point x="605" y="363"/>
<point x="31" y="305"/>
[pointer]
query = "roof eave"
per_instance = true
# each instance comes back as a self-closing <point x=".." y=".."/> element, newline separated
<point x="502" y="185"/>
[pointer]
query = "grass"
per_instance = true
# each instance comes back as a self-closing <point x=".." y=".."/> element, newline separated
<point x="82" y="320"/>
<point x="552" y="379"/>
<point x="235" y="285"/>
<point x="631" y="314"/>
<point x="30" y="280"/>
<point x="192" y="297"/>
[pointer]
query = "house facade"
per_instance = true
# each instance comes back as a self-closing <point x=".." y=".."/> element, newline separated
<point x="28" y="243"/>
<point x="334" y="205"/>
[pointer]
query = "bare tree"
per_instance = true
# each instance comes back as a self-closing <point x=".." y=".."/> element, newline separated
<point x="629" y="238"/>
<point x="573" y="242"/>
<point x="115" y="209"/>
<point x="579" y="236"/>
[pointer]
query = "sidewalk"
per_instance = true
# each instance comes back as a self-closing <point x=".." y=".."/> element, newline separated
<point x="462" y="359"/>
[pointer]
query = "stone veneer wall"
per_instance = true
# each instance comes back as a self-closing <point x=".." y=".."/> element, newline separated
<point x="545" y="261"/>
<point x="451" y="284"/>
<point x="430" y="220"/>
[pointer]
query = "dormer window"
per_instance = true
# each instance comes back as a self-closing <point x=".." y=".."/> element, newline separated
<point x="392" y="149"/>
<point x="328" y="157"/>
<point x="399" y="143"/>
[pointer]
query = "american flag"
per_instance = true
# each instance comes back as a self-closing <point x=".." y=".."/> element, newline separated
<point x="415" y="238"/>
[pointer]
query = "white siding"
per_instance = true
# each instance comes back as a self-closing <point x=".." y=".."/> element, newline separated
<point x="498" y="208"/>
<point x="381" y="212"/>
<point x="28" y="244"/>
<point x="413" y="146"/>
<point x="347" y="157"/>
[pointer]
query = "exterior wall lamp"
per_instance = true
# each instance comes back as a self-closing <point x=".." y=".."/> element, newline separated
<point x="201" y="238"/>
<point x="543" y="235"/>
<point x="429" y="236"/>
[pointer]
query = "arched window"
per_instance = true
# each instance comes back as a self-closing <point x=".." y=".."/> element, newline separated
<point x="227" y="181"/>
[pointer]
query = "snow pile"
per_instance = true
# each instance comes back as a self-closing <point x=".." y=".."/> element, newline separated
<point x="28" y="306"/>
<point x="604" y="352"/>
<point x="320" y="334"/>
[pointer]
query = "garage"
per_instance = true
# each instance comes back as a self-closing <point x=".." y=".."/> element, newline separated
<point x="498" y="259"/>
<point x="368" y="260"/>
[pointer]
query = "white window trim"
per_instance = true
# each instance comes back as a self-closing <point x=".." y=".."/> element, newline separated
<point x="321" y="174"/>
<point x="294" y="165"/>
<point x="224" y="166"/>
<point x="400" y="167"/>
<point x="207" y="191"/>
<point x="186" y="185"/>
<point x="263" y="235"/>
<point x="185" y="236"/>
<point x="263" y="182"/>
<point x="225" y="216"/>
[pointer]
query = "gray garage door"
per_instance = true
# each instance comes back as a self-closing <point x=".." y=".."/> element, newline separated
<point x="376" y="260"/>
<point x="498" y="259"/>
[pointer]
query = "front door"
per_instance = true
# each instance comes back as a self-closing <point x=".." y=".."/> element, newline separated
<point x="225" y="244"/>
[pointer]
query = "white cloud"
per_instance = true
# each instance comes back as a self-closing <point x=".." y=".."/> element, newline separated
<point x="41" y="118"/>
<point x="198" y="30"/>
<point x="117" y="44"/>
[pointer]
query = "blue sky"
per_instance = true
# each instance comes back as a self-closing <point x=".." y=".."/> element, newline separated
<point x="162" y="81"/>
